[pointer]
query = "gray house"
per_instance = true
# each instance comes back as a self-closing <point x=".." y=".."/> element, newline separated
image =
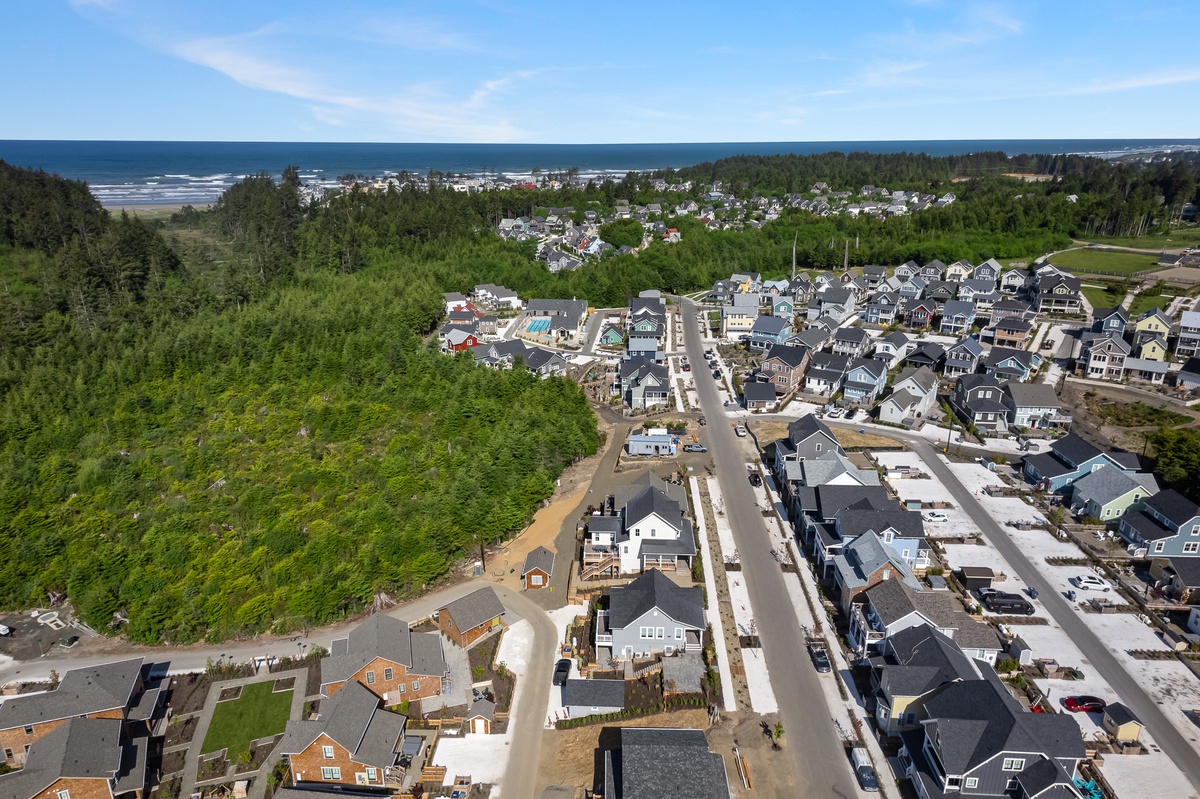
<point x="593" y="697"/>
<point x="1030" y="404"/>
<point x="653" y="763"/>
<point x="644" y="383"/>
<point x="651" y="616"/>
<point x="808" y="438"/>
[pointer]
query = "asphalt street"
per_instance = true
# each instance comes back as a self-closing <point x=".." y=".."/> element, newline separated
<point x="819" y="763"/>
<point x="1098" y="653"/>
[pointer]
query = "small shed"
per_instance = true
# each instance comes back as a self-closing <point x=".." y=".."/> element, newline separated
<point x="1121" y="724"/>
<point x="481" y="716"/>
<point x="539" y="565"/>
<point x="975" y="577"/>
<point x="593" y="697"/>
<point x="1020" y="651"/>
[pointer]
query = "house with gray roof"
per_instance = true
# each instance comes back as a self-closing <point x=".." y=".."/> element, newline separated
<point x="388" y="659"/>
<point x="1031" y="405"/>
<point x="108" y="690"/>
<point x="976" y="739"/>
<point x="1166" y="525"/>
<point x="853" y="342"/>
<point x="651" y="616"/>
<point x="865" y="379"/>
<point x="978" y="399"/>
<point x="963" y="358"/>
<point x="767" y="331"/>
<point x="864" y="562"/>
<point x="957" y="317"/>
<point x="94" y="757"/>
<point x="468" y="618"/>
<point x="1106" y="494"/>
<point x="892" y="348"/>
<point x="643" y="384"/>
<point x="1070" y="458"/>
<point x="537" y="568"/>
<point x="654" y="763"/>
<point x="351" y="742"/>
<point x="807" y="437"/>
<point x="593" y="697"/>
<point x="1005" y="363"/>
<point x="914" y="664"/>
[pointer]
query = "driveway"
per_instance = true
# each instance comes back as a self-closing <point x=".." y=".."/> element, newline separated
<point x="817" y="759"/>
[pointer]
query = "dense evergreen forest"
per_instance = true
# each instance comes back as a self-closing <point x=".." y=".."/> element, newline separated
<point x="234" y="420"/>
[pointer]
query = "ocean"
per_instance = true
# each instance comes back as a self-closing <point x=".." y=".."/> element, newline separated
<point x="149" y="172"/>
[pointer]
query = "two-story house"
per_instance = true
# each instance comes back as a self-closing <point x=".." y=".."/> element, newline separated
<point x="1005" y="363"/>
<point x="1069" y="459"/>
<point x="957" y="317"/>
<point x="963" y="358"/>
<point x="1012" y="281"/>
<point x="388" y="659"/>
<point x="958" y="271"/>
<point x="783" y="306"/>
<point x="784" y="368"/>
<point x="1188" y="344"/>
<point x="978" y="400"/>
<point x="853" y="342"/>
<point x="940" y="291"/>
<point x="934" y="270"/>
<point x="643" y="383"/>
<point x="891" y="607"/>
<point x="1058" y="293"/>
<point x="826" y="374"/>
<point x="653" y="762"/>
<point x="892" y="348"/>
<point x="1011" y="332"/>
<point x="864" y="381"/>
<point x="912" y="288"/>
<point x="1167" y="525"/>
<point x="914" y="393"/>
<point x="881" y="309"/>
<point x="918" y="314"/>
<point x="738" y="317"/>
<point x="1030" y="405"/>
<point x="1102" y="356"/>
<point x="835" y="301"/>
<point x="808" y="438"/>
<point x="651" y="616"/>
<point x="988" y="271"/>
<point x="968" y="290"/>
<point x="863" y="562"/>
<point x="654" y="533"/>
<point x="906" y="270"/>
<point x="1154" y="323"/>
<point x="926" y="353"/>
<point x="81" y="758"/>
<point x="767" y="331"/>
<point x="352" y="743"/>
<point x="1106" y="494"/>
<point x="1110" y="320"/>
<point x="913" y="665"/>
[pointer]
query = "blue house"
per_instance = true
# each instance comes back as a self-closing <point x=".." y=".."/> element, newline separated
<point x="1070" y="458"/>
<point x="1005" y="363"/>
<point x="864" y="380"/>
<point x="1168" y="525"/>
<point x="782" y="306"/>
<point x="769" y="331"/>
<point x="957" y="317"/>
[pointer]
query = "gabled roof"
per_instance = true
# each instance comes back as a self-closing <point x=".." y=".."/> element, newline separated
<point x="855" y="335"/>
<point x="1013" y="324"/>
<point x="475" y="609"/>
<point x="1105" y="485"/>
<point x="382" y="636"/>
<point x="651" y="591"/>
<point x="1173" y="506"/>
<point x="924" y="377"/>
<point x="770" y="326"/>
<point x="656" y="763"/>
<point x="758" y="392"/>
<point x="968" y="346"/>
<point x="353" y="719"/>
<point x="806" y="427"/>
<point x="91" y="689"/>
<point x="80" y="748"/>
<point x="482" y="708"/>
<point x="866" y="555"/>
<point x="787" y="354"/>
<point x="1031" y="395"/>
<point x="954" y="308"/>
<point x="919" y="659"/>
<point x="594" y="693"/>
<point x="651" y="500"/>
<point x="927" y="351"/>
<point x="1074" y="450"/>
<point x="539" y="558"/>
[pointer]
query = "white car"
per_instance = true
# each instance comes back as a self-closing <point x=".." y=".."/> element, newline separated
<point x="935" y="516"/>
<point x="1089" y="582"/>
<point x="836" y="413"/>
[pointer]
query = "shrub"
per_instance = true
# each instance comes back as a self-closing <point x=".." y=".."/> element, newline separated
<point x="1007" y="664"/>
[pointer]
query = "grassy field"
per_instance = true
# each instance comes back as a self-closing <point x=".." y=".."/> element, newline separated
<point x="1101" y="298"/>
<point x="1144" y="302"/>
<point x="1137" y="414"/>
<point x="1189" y="237"/>
<point x="1104" y="262"/>
<point x="257" y="713"/>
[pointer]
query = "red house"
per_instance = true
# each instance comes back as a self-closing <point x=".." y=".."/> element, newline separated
<point x="919" y="313"/>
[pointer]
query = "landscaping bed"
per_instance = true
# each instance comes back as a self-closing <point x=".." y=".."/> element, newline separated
<point x="174" y="762"/>
<point x="480" y="658"/>
<point x="180" y="731"/>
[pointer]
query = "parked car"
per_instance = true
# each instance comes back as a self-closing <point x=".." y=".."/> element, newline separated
<point x="695" y="448"/>
<point x="740" y="430"/>
<point x="1085" y="704"/>
<point x="716" y="375"/>
<point x="687" y="367"/>
<point x="755" y="480"/>
<point x="820" y="658"/>
<point x="702" y="421"/>
<point x="835" y="413"/>
<point x="1001" y="602"/>
<point x="562" y="670"/>
<point x="934" y="516"/>
<point x="1090" y="582"/>
<point x="863" y="769"/>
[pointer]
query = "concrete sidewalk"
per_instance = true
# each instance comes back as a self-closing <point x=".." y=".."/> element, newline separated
<point x="711" y="611"/>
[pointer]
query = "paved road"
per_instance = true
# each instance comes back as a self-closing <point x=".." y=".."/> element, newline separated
<point x="818" y="761"/>
<point x="1165" y="734"/>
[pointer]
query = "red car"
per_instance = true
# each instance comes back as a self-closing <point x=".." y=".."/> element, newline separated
<point x="1085" y="704"/>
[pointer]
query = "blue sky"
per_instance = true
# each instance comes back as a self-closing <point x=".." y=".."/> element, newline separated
<point x="533" y="71"/>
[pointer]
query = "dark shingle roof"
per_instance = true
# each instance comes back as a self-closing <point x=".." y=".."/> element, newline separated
<point x="539" y="558"/>
<point x="91" y="689"/>
<point x="475" y="609"/>
<point x="655" y="763"/>
<point x="651" y="500"/>
<point x="920" y="659"/>
<point x="81" y="748"/>
<point x="1074" y="450"/>
<point x="790" y="355"/>
<point x="353" y="720"/>
<point x="758" y="392"/>
<point x="385" y="637"/>
<point x="1173" y="506"/>
<point x="594" y="693"/>
<point x="1120" y="714"/>
<point x="653" y="590"/>
<point x="482" y="708"/>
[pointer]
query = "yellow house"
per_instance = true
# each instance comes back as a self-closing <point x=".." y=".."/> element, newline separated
<point x="1154" y="349"/>
<point x="1121" y="724"/>
<point x="916" y="663"/>
<point x="958" y="271"/>
<point x="1152" y="322"/>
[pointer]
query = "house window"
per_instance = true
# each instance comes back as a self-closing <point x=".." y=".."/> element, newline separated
<point x="660" y="633"/>
<point x="372" y="774"/>
<point x="370" y="678"/>
<point x="1196" y="529"/>
<point x="327" y="752"/>
<point x="400" y="687"/>
<point x="1014" y="763"/>
<point x="8" y="755"/>
<point x="1191" y="548"/>
<point x="416" y="685"/>
<point x="1158" y="546"/>
<point x="645" y="632"/>
<point x="818" y="447"/>
<point x="28" y="730"/>
<point x="387" y="675"/>
<point x="331" y="773"/>
<point x="678" y="633"/>
<point x="64" y="794"/>
<point x="971" y="782"/>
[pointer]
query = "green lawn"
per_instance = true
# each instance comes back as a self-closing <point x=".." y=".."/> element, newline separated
<point x="1101" y="298"/>
<point x="1144" y="302"/>
<point x="257" y="713"/>
<point x="1170" y="241"/>
<point x="1104" y="262"/>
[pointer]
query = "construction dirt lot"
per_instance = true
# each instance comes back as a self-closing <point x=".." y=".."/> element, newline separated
<point x="570" y="757"/>
<point x="768" y="431"/>
<point x="1084" y="401"/>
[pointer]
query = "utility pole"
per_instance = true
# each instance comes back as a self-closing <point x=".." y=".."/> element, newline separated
<point x="846" y="258"/>
<point x="794" y="240"/>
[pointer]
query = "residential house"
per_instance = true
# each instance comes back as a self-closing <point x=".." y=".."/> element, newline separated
<point x="611" y="336"/>
<point x="1167" y="525"/>
<point x="647" y="339"/>
<point x="863" y="562"/>
<point x="643" y="383"/>
<point x="651" y="616"/>
<point x="913" y="288"/>
<point x="759" y="396"/>
<point x="1151" y="348"/>
<point x="351" y="743"/>
<point x="1030" y="405"/>
<point x="723" y="291"/>
<point x="891" y="607"/>
<point x="1151" y="325"/>
<point x="1188" y="344"/>
<point x="748" y="282"/>
<point x="816" y="337"/>
<point x="1005" y="363"/>
<point x="84" y="758"/>
<point x="1058" y="293"/>
<point x="873" y="276"/>
<point x="985" y="305"/>
<point x="504" y="354"/>
<point x="1188" y="377"/>
<point x="655" y="762"/>
<point x="853" y="342"/>
<point x="864" y="381"/>
<point x="783" y="306"/>
<point x="1102" y="356"/>
<point x="1011" y="332"/>
<point x="784" y="368"/>
<point x="881" y="309"/>
<point x="940" y="291"/>
<point x="654" y="441"/>
<point x="1012" y="307"/>
<point x="815" y="510"/>
<point x="957" y="317"/>
<point x="566" y="316"/>
<point x="934" y="270"/>
<point x="914" y="664"/>
<point x="808" y="438"/>
<point x="963" y="358"/>
<point x="926" y="353"/>
<point x="1110" y="320"/>
<point x="1070" y="458"/>
<point x="537" y="568"/>
<point x="774" y="288"/>
<point x="469" y="618"/>
<point x="493" y="296"/>
<point x="914" y="393"/>
<point x="655" y="533"/>
<point x="107" y="691"/>
<point x="801" y="290"/>
<point x="455" y="338"/>
<point x="970" y="289"/>
<point x="958" y="271"/>
<point x="978" y="400"/>
<point x="988" y="271"/>
<point x="582" y="698"/>
<point x="768" y="331"/>
<point x="892" y="348"/>
<point x="906" y="270"/>
<point x="738" y="317"/>
<point x="383" y="655"/>
<point x="826" y="374"/>
<point x="918" y="314"/>
<point x="1179" y="579"/>
<point x="977" y="740"/>
<point x="455" y="301"/>
<point x="1012" y="281"/>
<point x="1106" y="494"/>
<point x="829" y="469"/>
<point x="836" y="302"/>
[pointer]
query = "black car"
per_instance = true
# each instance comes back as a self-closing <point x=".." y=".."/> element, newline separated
<point x="1001" y="602"/>
<point x="716" y="375"/>
<point x="820" y="658"/>
<point x="755" y="480"/>
<point x="562" y="670"/>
